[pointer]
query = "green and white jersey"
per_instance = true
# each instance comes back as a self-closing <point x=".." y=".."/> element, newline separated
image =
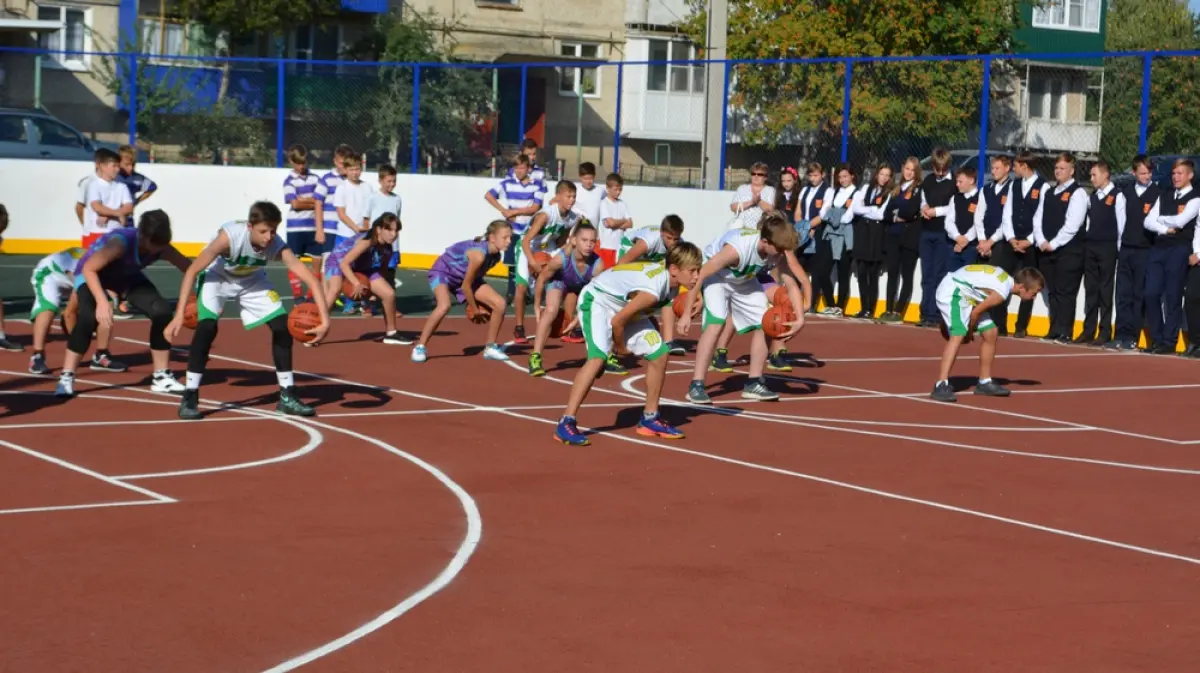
<point x="623" y="281"/>
<point x="60" y="263"/>
<point x="556" y="225"/>
<point x="243" y="260"/>
<point x="749" y="263"/>
<point x="974" y="280"/>
<point x="655" y="250"/>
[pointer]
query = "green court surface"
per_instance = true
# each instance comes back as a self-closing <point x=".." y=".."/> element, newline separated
<point x="413" y="297"/>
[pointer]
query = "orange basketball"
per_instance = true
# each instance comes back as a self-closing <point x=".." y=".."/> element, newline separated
<point x="348" y="287"/>
<point x="481" y="316"/>
<point x="542" y="258"/>
<point x="775" y="321"/>
<point x="303" y="318"/>
<point x="677" y="305"/>
<point x="781" y="298"/>
<point x="191" y="313"/>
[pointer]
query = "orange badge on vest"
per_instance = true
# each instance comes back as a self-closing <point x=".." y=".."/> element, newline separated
<point x="1003" y="199"/>
<point x="879" y="199"/>
<point x="1145" y="208"/>
<point x="971" y="208"/>
<point x="1066" y="197"/>
<point x="819" y="203"/>
<point x="1034" y="194"/>
<point x="1180" y="210"/>
<point x="908" y="195"/>
<point x="1109" y="200"/>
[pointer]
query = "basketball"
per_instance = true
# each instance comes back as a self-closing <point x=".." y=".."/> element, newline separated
<point x="303" y="318"/>
<point x="542" y="258"/>
<point x="191" y="313"/>
<point x="781" y="298"/>
<point x="677" y="305"/>
<point x="481" y="316"/>
<point x="348" y="287"/>
<point x="775" y="321"/>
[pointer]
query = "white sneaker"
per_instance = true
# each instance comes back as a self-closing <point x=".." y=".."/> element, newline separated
<point x="418" y="354"/>
<point x="66" y="386"/>
<point x="494" y="352"/>
<point x="164" y="382"/>
<point x="396" y="339"/>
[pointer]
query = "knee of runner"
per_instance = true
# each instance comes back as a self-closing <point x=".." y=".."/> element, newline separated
<point x="160" y="312"/>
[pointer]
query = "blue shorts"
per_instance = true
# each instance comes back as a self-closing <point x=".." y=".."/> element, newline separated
<point x="305" y="243"/>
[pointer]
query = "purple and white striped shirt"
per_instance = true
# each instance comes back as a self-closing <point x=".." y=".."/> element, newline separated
<point x="512" y="193"/>
<point x="299" y="186"/>
<point x="326" y="188"/>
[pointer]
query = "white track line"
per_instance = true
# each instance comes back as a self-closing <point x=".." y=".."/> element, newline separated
<point x="67" y="508"/>
<point x="112" y="481"/>
<point x="1012" y="356"/>
<point x="753" y="466"/>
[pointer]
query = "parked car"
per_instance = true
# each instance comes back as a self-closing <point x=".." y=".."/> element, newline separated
<point x="34" y="134"/>
<point x="1161" y="175"/>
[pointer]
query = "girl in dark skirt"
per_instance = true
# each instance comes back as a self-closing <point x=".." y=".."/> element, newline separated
<point x="835" y="240"/>
<point x="812" y="205"/>
<point x="870" y="205"/>
<point x="902" y="240"/>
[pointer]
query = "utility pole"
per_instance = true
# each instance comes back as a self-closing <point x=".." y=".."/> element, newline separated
<point x="714" y="93"/>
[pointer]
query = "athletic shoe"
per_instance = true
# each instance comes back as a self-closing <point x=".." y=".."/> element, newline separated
<point x="656" y="427"/>
<point x="778" y="362"/>
<point x="418" y="354"/>
<point x="102" y="361"/>
<point x="37" y="364"/>
<point x="697" y="394"/>
<point x="674" y="348"/>
<point x="494" y="352"/>
<point x="519" y="335"/>
<point x="992" y="389"/>
<point x="613" y="366"/>
<point x="291" y="405"/>
<point x="165" y="382"/>
<point x="535" y="365"/>
<point x="757" y="389"/>
<point x="569" y="434"/>
<point x="944" y="392"/>
<point x="189" y="406"/>
<point x="396" y="339"/>
<point x="8" y="345"/>
<point x="720" y="361"/>
<point x="575" y="337"/>
<point x="66" y="385"/>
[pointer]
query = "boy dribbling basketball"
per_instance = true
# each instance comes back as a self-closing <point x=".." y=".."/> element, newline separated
<point x="233" y="267"/>
<point x="965" y="299"/>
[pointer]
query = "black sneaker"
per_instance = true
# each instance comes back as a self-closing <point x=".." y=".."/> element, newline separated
<point x="944" y="392"/>
<point x="674" y="348"/>
<point x="291" y="405"/>
<point x="189" y="406"/>
<point x="992" y="389"/>
<point x="8" y="345"/>
<point x="37" y="364"/>
<point x="519" y="335"/>
<point x="720" y="361"/>
<point x="104" y="362"/>
<point x="778" y="362"/>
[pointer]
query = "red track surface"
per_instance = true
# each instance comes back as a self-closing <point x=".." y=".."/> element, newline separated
<point x="876" y="532"/>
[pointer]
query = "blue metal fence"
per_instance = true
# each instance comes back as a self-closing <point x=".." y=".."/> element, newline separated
<point x="316" y="101"/>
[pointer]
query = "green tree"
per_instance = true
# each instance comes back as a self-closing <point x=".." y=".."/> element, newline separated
<point x="895" y="107"/>
<point x="1135" y="25"/>
<point x="453" y="102"/>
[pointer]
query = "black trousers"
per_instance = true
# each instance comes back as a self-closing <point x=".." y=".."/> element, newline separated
<point x="868" y="284"/>
<point x="901" y="263"/>
<point x="823" y="275"/>
<point x="1029" y="259"/>
<point x="1063" y="269"/>
<point x="142" y="296"/>
<point x="1003" y="257"/>
<point x="1131" y="293"/>
<point x="1191" y="305"/>
<point x="1099" y="272"/>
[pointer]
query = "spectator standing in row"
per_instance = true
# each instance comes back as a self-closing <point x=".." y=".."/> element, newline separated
<point x="517" y="197"/>
<point x="305" y="233"/>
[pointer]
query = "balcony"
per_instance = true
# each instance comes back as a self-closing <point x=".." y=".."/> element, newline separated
<point x="662" y="115"/>
<point x="1059" y="136"/>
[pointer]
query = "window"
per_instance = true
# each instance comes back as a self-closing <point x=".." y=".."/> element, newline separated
<point x="1083" y="15"/>
<point x="313" y="43"/>
<point x="72" y="36"/>
<point x="12" y="129"/>
<point x="54" y="134"/>
<point x="573" y="81"/>
<point x="174" y="37"/>
<point x="1047" y="97"/>
<point x="664" y="72"/>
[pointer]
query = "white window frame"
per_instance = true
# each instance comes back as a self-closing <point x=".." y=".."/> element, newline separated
<point x="671" y="67"/>
<point x="573" y="92"/>
<point x="1090" y="10"/>
<point x="72" y="62"/>
<point x="185" y="59"/>
<point x="1050" y="112"/>
<point x="308" y="69"/>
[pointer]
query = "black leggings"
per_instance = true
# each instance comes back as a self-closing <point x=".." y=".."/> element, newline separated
<point x="868" y="284"/>
<point x="823" y="279"/>
<point x="901" y="265"/>
<point x="143" y="296"/>
<point x="206" y="334"/>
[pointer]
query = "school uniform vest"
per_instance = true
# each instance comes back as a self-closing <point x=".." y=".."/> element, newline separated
<point x="1136" y="210"/>
<point x="964" y="212"/>
<point x="873" y="197"/>
<point x="938" y="193"/>
<point x="1169" y="205"/>
<point x="907" y="203"/>
<point x="1054" y="213"/>
<point x="993" y="217"/>
<point x="1025" y="205"/>
<point x="1102" y="219"/>
<point x="811" y="209"/>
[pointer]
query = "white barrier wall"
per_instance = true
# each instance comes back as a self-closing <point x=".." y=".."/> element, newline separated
<point x="437" y="210"/>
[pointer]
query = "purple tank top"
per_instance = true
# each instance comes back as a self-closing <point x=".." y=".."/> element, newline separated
<point x="452" y="264"/>
<point x="571" y="277"/>
<point x="119" y="275"/>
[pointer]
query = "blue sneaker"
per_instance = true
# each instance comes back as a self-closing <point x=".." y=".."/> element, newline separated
<point x="569" y="434"/>
<point x="657" y="427"/>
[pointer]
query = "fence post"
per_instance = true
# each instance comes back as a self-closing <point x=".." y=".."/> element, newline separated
<point x="616" y="157"/>
<point x="415" y="157"/>
<point x="846" y="111"/>
<point x="1143" y="131"/>
<point x="133" y="96"/>
<point x="985" y="111"/>
<point x="524" y="91"/>
<point x="725" y="122"/>
<point x="280" y="111"/>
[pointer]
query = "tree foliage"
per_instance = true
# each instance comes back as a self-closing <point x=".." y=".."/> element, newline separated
<point x="1135" y="25"/>
<point x="250" y="17"/>
<point x="453" y="100"/>
<point x="892" y="104"/>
